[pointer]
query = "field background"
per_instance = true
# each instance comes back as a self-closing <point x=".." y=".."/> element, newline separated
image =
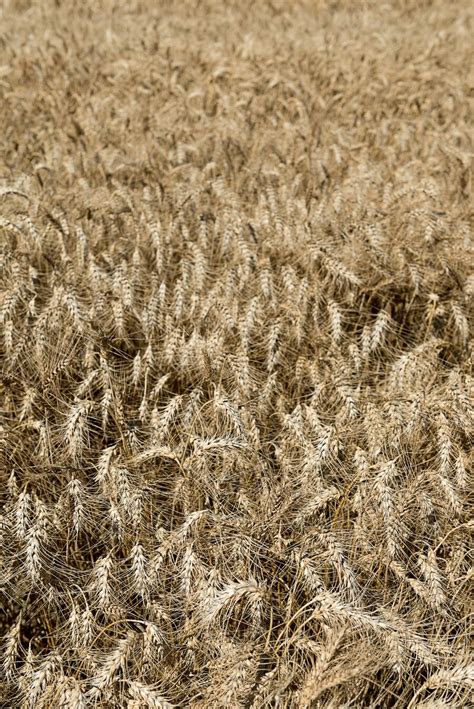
<point x="237" y="393"/>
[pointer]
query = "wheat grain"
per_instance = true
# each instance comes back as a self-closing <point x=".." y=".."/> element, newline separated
<point x="236" y="354"/>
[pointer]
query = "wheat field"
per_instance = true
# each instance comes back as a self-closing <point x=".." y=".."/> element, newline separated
<point x="237" y="391"/>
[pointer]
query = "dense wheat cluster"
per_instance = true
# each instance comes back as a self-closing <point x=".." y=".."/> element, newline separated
<point x="237" y="396"/>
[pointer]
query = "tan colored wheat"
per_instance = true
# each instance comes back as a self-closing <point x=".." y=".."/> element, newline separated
<point x="237" y="393"/>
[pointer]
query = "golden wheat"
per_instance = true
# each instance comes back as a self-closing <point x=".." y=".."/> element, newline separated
<point x="237" y="393"/>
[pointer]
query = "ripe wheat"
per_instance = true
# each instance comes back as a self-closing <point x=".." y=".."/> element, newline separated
<point x="237" y="392"/>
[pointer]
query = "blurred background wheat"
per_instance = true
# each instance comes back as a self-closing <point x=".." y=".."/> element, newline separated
<point x="236" y="353"/>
